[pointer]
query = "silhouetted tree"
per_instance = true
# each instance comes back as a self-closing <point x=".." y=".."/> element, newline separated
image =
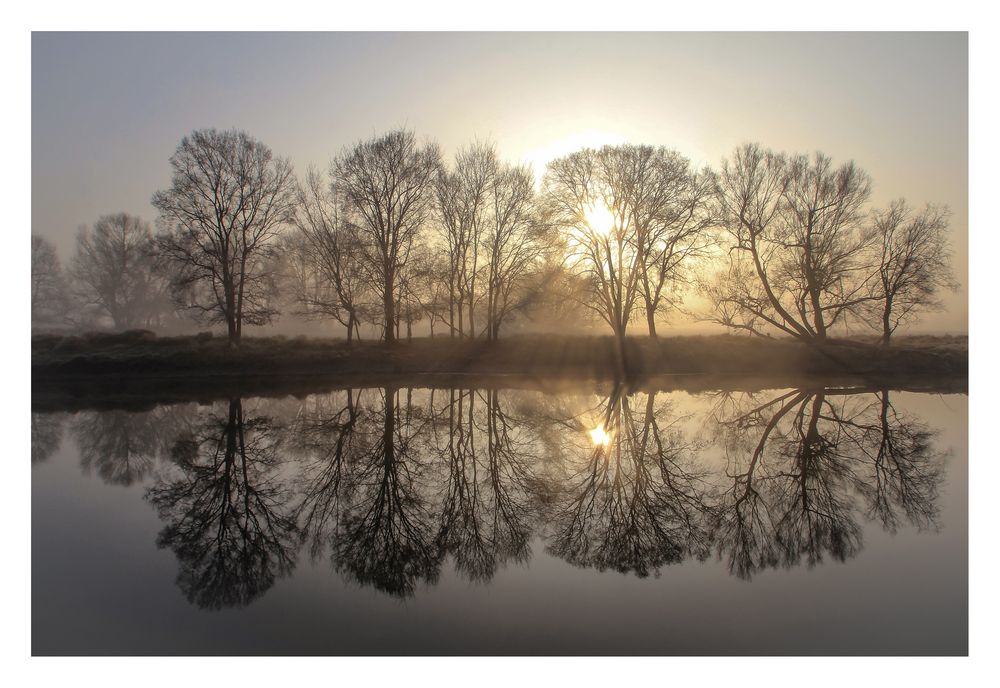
<point x="113" y="270"/>
<point x="386" y="183"/>
<point x="635" y="217"/>
<point x="462" y="205"/>
<point x="49" y="292"/>
<point x="330" y="279"/>
<point x="513" y="242"/>
<point x="577" y="198"/>
<point x="228" y="514"/>
<point x="666" y="205"/>
<point x="912" y="261"/>
<point x="228" y="199"/>
<point x="795" y="240"/>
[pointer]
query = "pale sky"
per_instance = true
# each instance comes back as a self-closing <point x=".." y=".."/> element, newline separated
<point x="109" y="109"/>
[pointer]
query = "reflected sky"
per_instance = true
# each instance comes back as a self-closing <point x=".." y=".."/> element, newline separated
<point x="383" y="521"/>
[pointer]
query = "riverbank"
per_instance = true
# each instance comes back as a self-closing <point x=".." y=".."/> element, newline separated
<point x="130" y="365"/>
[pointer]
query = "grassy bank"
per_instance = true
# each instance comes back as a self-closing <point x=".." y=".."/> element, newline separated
<point x="137" y="370"/>
<point x="141" y="353"/>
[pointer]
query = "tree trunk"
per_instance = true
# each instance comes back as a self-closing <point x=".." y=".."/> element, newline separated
<point x="886" y="319"/>
<point x="389" y="308"/>
<point x="389" y="426"/>
<point x="451" y="306"/>
<point x="651" y="321"/>
<point x="621" y="366"/>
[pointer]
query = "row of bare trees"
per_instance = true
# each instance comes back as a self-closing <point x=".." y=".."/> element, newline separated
<point x="804" y="253"/>
<point x="391" y="235"/>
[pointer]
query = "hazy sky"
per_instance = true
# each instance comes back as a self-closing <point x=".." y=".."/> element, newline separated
<point x="109" y="109"/>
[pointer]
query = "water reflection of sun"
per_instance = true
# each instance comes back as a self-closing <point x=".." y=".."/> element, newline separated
<point x="600" y="437"/>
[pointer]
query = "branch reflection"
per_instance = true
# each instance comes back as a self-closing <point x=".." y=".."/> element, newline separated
<point x="637" y="502"/>
<point x="227" y="512"/>
<point x="805" y="465"/>
<point x="391" y="486"/>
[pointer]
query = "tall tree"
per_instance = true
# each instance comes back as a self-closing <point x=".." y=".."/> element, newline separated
<point x="49" y="296"/>
<point x="463" y="207"/>
<point x="331" y="280"/>
<point x="583" y="202"/>
<point x="113" y="269"/>
<point x="228" y="200"/>
<point x="637" y="217"/>
<point x="387" y="185"/>
<point x="795" y="237"/>
<point x="513" y="241"/>
<point x="913" y="263"/>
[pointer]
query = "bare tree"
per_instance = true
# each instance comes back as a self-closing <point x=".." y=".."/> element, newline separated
<point x="49" y="296"/>
<point x="386" y="183"/>
<point x="461" y="196"/>
<point x="583" y="203"/>
<point x="913" y="261"/>
<point x="664" y="207"/>
<point x="113" y="270"/>
<point x="513" y="241"/>
<point x="676" y="234"/>
<point x="636" y="217"/>
<point x="796" y="243"/>
<point x="331" y="281"/>
<point x="228" y="199"/>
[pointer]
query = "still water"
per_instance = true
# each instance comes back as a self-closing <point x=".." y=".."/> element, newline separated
<point x="418" y="521"/>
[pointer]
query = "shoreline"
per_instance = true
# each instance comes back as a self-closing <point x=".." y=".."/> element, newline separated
<point x="139" y="369"/>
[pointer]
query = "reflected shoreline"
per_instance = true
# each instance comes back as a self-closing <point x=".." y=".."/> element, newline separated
<point x="143" y="392"/>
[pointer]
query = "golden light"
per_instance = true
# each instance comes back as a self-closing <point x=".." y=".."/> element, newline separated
<point x="600" y="437"/>
<point x="599" y="218"/>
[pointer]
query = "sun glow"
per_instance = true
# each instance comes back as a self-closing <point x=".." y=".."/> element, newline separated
<point x="599" y="218"/>
<point x="600" y="437"/>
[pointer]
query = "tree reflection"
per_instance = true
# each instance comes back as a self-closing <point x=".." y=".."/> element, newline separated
<point x="227" y="514"/>
<point x="801" y="462"/>
<point x="636" y="504"/>
<point x="385" y="536"/>
<point x="121" y="446"/>
<point x="487" y="516"/>
<point x="46" y="435"/>
<point x="388" y="483"/>
<point x="905" y="469"/>
<point x="326" y="435"/>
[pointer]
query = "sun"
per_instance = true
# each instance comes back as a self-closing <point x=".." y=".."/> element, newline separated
<point x="599" y="218"/>
<point x="600" y="437"/>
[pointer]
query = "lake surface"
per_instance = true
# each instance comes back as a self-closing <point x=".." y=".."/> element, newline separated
<point x="417" y="521"/>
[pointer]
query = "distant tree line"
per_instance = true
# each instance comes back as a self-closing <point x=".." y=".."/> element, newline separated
<point x="391" y="235"/>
